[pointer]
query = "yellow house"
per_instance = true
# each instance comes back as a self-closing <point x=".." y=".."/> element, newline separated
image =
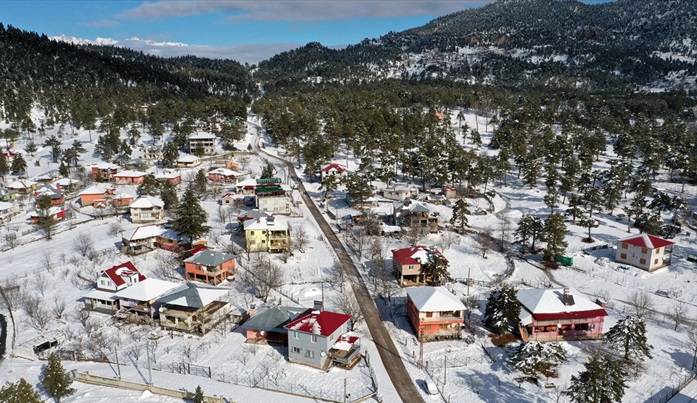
<point x="266" y="234"/>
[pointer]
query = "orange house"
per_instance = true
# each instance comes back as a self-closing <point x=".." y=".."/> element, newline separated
<point x="95" y="194"/>
<point x="209" y="266"/>
<point x="434" y="313"/>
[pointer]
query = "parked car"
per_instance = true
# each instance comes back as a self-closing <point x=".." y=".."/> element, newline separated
<point x="431" y="387"/>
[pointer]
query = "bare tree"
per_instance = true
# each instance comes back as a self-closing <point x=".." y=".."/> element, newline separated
<point x="47" y="261"/>
<point x="357" y="240"/>
<point x="40" y="284"/>
<point x="345" y="302"/>
<point x="677" y="314"/>
<point x="449" y="238"/>
<point x="299" y="238"/>
<point x="37" y="315"/>
<point x="471" y="303"/>
<point x="10" y="239"/>
<point x="167" y="266"/>
<point x="375" y="253"/>
<point x="504" y="232"/>
<point x="82" y="314"/>
<point x="414" y="233"/>
<point x="335" y="276"/>
<point x="485" y="243"/>
<point x="115" y="228"/>
<point x="83" y="244"/>
<point x="58" y="308"/>
<point x="692" y="344"/>
<point x="642" y="304"/>
<point x="267" y="277"/>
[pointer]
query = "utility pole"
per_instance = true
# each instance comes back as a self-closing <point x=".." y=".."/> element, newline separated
<point x="118" y="367"/>
<point x="147" y="352"/>
<point x="445" y="368"/>
<point x="344" y="390"/>
<point x="469" y="270"/>
<point x="421" y="353"/>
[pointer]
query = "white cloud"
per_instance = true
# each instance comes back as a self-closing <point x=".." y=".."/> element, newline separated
<point x="299" y="10"/>
<point x="242" y="53"/>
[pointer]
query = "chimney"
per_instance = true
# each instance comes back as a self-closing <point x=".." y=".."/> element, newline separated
<point x="318" y="306"/>
<point x="567" y="299"/>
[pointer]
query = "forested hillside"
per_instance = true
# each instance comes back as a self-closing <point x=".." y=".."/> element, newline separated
<point x="80" y="84"/>
<point x="640" y="44"/>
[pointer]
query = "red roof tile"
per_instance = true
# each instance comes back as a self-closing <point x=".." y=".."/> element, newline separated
<point x="127" y="268"/>
<point x="334" y="165"/>
<point x="647" y="241"/>
<point x="318" y="322"/>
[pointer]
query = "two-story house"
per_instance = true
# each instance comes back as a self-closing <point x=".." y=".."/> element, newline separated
<point x="202" y="141"/>
<point x="266" y="234"/>
<point x="103" y="171"/>
<point x="193" y="308"/>
<point x="138" y="303"/>
<point x="188" y="161"/>
<point x="647" y="252"/>
<point x="223" y="175"/>
<point x="110" y="281"/>
<point x="313" y="334"/>
<point x="209" y="266"/>
<point x="408" y="263"/>
<point x="555" y="314"/>
<point x="434" y="313"/>
<point x="414" y="213"/>
<point x="331" y="169"/>
<point x="274" y="199"/>
<point x="147" y="209"/>
<point x="55" y="195"/>
<point x="129" y="177"/>
<point x="7" y="211"/>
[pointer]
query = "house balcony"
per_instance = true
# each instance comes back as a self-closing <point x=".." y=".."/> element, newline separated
<point x="346" y="359"/>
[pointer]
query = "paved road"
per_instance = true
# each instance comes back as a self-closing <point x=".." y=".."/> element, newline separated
<point x="388" y="351"/>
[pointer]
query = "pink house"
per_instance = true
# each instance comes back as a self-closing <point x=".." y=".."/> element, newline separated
<point x="556" y="314"/>
<point x="129" y="177"/>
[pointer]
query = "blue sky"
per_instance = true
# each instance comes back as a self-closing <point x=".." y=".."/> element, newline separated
<point x="246" y="30"/>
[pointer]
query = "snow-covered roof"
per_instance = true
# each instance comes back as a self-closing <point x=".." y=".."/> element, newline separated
<point x="554" y="303"/>
<point x="202" y="136"/>
<point x="192" y="295"/>
<point x="66" y="182"/>
<point x="130" y="174"/>
<point x="4" y="206"/>
<point x="147" y="290"/>
<point x="147" y="202"/>
<point x="166" y="175"/>
<point x="144" y="232"/>
<point x="97" y="189"/>
<point x="187" y="158"/>
<point x="346" y="341"/>
<point x="646" y="241"/>
<point x="223" y="172"/>
<point x="100" y="295"/>
<point x="249" y="182"/>
<point x="418" y="254"/>
<point x="322" y="323"/>
<point x="434" y="299"/>
<point x="265" y="223"/>
<point x="105" y="165"/>
<point x="21" y="184"/>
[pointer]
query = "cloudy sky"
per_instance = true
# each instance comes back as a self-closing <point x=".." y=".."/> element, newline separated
<point x="245" y="30"/>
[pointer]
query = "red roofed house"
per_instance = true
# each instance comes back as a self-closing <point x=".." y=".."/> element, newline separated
<point x="555" y="314"/>
<point x="129" y="177"/>
<point x="110" y="280"/>
<point x="407" y="263"/>
<point x="57" y="213"/>
<point x="648" y="252"/>
<point x="435" y="313"/>
<point x="315" y="339"/>
<point x="333" y="168"/>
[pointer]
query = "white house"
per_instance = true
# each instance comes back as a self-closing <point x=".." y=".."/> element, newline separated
<point x="188" y="161"/>
<point x="138" y="301"/>
<point x="147" y="209"/>
<point x="647" y="252"/>
<point x="202" y="141"/>
<point x="7" y="211"/>
<point x="110" y="281"/>
<point x="399" y="193"/>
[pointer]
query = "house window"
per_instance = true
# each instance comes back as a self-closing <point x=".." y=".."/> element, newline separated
<point x="296" y="350"/>
<point x="642" y="261"/>
<point x="313" y="338"/>
<point x="623" y="255"/>
<point x="309" y="354"/>
<point x="429" y="314"/>
<point x="624" y="246"/>
<point x="655" y="261"/>
<point x="644" y="250"/>
<point x="296" y="335"/>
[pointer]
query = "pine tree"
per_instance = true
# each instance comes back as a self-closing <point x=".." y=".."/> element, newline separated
<point x="170" y="154"/>
<point x="436" y="269"/>
<point x="358" y="188"/>
<point x="459" y="217"/>
<point x="502" y="310"/>
<point x="198" y="396"/>
<point x="601" y="381"/>
<point x="45" y="220"/>
<point x="19" y="165"/>
<point x="200" y="182"/>
<point x="168" y="194"/>
<point x="19" y="392"/>
<point x="30" y="148"/>
<point x="4" y="168"/>
<point x="267" y="171"/>
<point x="534" y="358"/>
<point x="554" y="234"/>
<point x="55" y="380"/>
<point x="55" y="145"/>
<point x="149" y="186"/>
<point x="190" y="218"/>
<point x="63" y="169"/>
<point x="628" y="336"/>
